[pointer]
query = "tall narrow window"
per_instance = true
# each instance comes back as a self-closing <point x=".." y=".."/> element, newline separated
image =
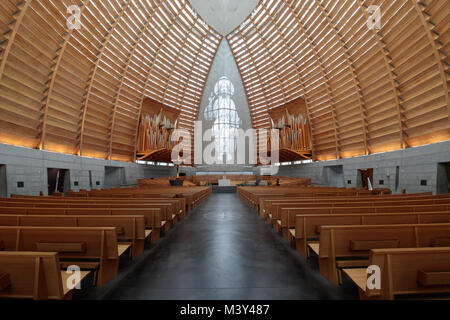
<point x="222" y="110"/>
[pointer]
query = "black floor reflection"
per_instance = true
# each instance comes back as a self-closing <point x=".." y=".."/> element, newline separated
<point x="222" y="250"/>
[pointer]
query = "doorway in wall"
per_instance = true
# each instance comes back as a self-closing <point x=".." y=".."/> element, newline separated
<point x="335" y="176"/>
<point x="114" y="177"/>
<point x="365" y="177"/>
<point x="3" y="188"/>
<point x="397" y="178"/>
<point x="443" y="178"/>
<point x="90" y="180"/>
<point x="58" y="180"/>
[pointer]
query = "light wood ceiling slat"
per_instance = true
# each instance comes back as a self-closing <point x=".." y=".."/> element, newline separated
<point x="367" y="91"/>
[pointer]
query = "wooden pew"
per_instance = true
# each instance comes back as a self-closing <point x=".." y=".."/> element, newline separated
<point x="193" y="195"/>
<point x="274" y="207"/>
<point x="237" y="179"/>
<point x="129" y="228"/>
<point x="34" y="275"/>
<point x="74" y="246"/>
<point x="307" y="227"/>
<point x="167" y="212"/>
<point x="340" y="245"/>
<point x="178" y="203"/>
<point x="355" y="208"/>
<point x="153" y="217"/>
<point x="266" y="201"/>
<point x="284" y="216"/>
<point x="169" y="209"/>
<point x="412" y="271"/>
<point x="252" y="194"/>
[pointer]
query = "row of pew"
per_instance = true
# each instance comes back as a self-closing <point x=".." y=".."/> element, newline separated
<point x="238" y="179"/>
<point x="192" y="195"/>
<point x="42" y="239"/>
<point x="407" y="237"/>
<point x="252" y="194"/>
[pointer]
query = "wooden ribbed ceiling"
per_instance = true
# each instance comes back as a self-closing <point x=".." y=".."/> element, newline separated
<point x="80" y="91"/>
<point x="367" y="91"/>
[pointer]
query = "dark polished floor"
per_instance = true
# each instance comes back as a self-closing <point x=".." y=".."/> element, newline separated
<point x="222" y="250"/>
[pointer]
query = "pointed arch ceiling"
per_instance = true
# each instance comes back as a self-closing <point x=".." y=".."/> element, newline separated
<point x="224" y="15"/>
<point x="80" y="91"/>
<point x="367" y="90"/>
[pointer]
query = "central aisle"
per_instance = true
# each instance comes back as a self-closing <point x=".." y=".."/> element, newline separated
<point x="223" y="250"/>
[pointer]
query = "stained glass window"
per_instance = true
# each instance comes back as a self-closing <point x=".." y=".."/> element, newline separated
<point x="222" y="110"/>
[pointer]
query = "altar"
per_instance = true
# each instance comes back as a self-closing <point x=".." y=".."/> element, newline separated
<point x="224" y="182"/>
<point x="224" y="186"/>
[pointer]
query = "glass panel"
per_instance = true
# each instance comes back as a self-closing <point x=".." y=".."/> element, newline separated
<point x="222" y="110"/>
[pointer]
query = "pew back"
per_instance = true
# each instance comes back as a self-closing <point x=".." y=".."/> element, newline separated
<point x="410" y="271"/>
<point x="308" y="226"/>
<point x="287" y="215"/>
<point x="153" y="216"/>
<point x="277" y="208"/>
<point x="74" y="244"/>
<point x="338" y="242"/>
<point x="31" y="275"/>
<point x="358" y="240"/>
<point x="130" y="228"/>
<point x="69" y="242"/>
<point x="267" y="203"/>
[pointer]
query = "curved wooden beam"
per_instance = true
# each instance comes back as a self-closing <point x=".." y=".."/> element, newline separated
<point x="247" y="49"/>
<point x="204" y="87"/>
<point x="294" y="155"/>
<point x="357" y="84"/>
<point x="432" y="37"/>
<point x="299" y="74"/>
<point x="52" y="78"/>
<point x="210" y="31"/>
<point x="124" y="73"/>
<point x="324" y="75"/>
<point x="266" y="50"/>
<point x="150" y="154"/>
<point x="183" y="46"/>
<point x="147" y="79"/>
<point x="209" y="71"/>
<point x="392" y="77"/>
<point x="93" y="73"/>
<point x="196" y="58"/>
<point x="172" y="67"/>
<point x="14" y="26"/>
<point x="258" y="73"/>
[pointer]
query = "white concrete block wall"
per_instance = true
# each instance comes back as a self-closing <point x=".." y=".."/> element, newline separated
<point x="415" y="164"/>
<point x="30" y="167"/>
<point x="188" y="171"/>
<point x="158" y="172"/>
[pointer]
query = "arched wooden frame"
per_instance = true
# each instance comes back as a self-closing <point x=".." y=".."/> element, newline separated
<point x="52" y="79"/>
<point x="419" y="105"/>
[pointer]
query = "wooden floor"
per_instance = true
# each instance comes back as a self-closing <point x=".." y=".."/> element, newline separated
<point x="222" y="250"/>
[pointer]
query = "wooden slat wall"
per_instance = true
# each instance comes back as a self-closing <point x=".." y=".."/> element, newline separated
<point x="367" y="91"/>
<point x="80" y="91"/>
